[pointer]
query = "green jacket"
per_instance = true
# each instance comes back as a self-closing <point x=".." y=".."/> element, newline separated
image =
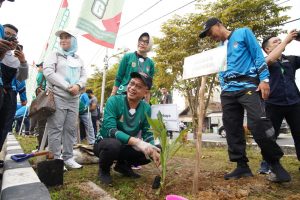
<point x="120" y="124"/>
<point x="39" y="78"/>
<point x="130" y="63"/>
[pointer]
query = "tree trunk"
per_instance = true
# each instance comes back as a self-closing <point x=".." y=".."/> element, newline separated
<point x="199" y="134"/>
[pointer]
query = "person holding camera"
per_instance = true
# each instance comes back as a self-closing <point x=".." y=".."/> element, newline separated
<point x="124" y="119"/>
<point x="13" y="65"/>
<point x="284" y="98"/>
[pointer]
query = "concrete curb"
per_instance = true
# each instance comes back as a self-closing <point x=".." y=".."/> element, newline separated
<point x="19" y="180"/>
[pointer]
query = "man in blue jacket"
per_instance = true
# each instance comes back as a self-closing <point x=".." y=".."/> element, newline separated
<point x="245" y="85"/>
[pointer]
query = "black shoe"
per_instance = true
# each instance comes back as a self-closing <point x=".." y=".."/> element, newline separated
<point x="105" y="177"/>
<point x="279" y="174"/>
<point x="239" y="172"/>
<point x="126" y="170"/>
<point x="1" y="163"/>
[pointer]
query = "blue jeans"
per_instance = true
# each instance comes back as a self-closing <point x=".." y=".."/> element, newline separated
<point x="86" y="119"/>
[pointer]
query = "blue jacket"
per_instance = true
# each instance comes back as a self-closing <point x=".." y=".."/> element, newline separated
<point x="19" y="87"/>
<point x="244" y="59"/>
<point x="20" y="112"/>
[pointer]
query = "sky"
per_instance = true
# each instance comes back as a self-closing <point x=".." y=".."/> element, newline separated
<point x="34" y="19"/>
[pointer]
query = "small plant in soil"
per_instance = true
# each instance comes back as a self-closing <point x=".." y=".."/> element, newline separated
<point x="168" y="148"/>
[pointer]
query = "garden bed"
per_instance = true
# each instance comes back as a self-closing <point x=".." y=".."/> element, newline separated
<point x="212" y="186"/>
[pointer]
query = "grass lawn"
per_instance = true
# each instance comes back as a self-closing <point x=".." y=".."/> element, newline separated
<point x="212" y="186"/>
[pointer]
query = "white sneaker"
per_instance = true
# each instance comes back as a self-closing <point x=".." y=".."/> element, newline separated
<point x="72" y="164"/>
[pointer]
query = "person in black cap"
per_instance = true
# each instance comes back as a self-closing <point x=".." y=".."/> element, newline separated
<point x="37" y="126"/>
<point x="124" y="118"/>
<point x="284" y="98"/>
<point x="245" y="86"/>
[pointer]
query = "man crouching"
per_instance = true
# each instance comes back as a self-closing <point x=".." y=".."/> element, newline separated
<point x="124" y="119"/>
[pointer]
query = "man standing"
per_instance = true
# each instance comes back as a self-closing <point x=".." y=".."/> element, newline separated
<point x="284" y="98"/>
<point x="85" y="117"/>
<point x="13" y="65"/>
<point x="244" y="86"/>
<point x="166" y="98"/>
<point x="124" y="118"/>
<point x="93" y="109"/>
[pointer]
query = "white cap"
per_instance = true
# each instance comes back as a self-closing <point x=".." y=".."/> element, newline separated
<point x="65" y="31"/>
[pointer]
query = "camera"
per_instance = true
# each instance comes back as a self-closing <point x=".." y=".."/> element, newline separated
<point x="298" y="35"/>
<point x="11" y="38"/>
<point x="19" y="47"/>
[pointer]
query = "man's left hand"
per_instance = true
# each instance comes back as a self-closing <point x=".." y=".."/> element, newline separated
<point x="20" y="55"/>
<point x="265" y="89"/>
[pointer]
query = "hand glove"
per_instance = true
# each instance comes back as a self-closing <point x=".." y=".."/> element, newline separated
<point x="145" y="147"/>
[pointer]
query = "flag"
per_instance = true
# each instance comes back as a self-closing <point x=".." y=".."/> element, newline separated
<point x="100" y="20"/>
<point x="61" y="22"/>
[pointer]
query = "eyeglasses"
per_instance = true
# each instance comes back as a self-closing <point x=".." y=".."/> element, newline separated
<point x="137" y="86"/>
<point x="9" y="34"/>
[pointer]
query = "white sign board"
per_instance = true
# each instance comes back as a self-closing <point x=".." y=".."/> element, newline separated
<point x="169" y="113"/>
<point x="205" y="63"/>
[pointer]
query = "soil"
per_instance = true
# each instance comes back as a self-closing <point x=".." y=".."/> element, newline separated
<point x="212" y="185"/>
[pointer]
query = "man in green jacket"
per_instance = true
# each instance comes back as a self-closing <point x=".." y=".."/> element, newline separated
<point x="124" y="118"/>
<point x="135" y="62"/>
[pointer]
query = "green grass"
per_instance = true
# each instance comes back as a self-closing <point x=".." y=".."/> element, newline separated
<point x="214" y="164"/>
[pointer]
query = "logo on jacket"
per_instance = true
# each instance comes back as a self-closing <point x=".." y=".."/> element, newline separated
<point x="133" y="64"/>
<point x="235" y="44"/>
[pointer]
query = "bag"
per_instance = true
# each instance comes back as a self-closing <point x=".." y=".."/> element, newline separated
<point x="43" y="106"/>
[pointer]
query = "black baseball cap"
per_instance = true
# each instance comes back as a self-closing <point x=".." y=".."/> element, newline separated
<point x="145" y="78"/>
<point x="207" y="25"/>
<point x="89" y="91"/>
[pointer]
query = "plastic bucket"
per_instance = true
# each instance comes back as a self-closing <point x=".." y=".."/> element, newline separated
<point x="175" y="197"/>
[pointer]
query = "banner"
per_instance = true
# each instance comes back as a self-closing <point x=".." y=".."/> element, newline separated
<point x="169" y="114"/>
<point x="205" y="63"/>
<point x="61" y="22"/>
<point x="100" y="20"/>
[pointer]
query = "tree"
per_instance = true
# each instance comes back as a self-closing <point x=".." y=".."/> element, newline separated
<point x="95" y="82"/>
<point x="264" y="17"/>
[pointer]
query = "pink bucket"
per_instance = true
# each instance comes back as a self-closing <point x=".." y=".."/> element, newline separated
<point x="174" y="197"/>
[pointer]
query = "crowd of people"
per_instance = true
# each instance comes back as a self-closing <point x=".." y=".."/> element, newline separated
<point x="264" y="87"/>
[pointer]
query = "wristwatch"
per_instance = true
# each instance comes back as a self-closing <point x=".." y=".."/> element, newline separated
<point x="266" y="80"/>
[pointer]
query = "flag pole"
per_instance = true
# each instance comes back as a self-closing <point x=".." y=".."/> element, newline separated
<point x="103" y="81"/>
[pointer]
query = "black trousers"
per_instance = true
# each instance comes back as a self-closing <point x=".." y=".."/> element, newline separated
<point x="292" y="115"/>
<point x="233" y="105"/>
<point x="7" y="114"/>
<point x="110" y="149"/>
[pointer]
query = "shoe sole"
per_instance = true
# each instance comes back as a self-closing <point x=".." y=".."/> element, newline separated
<point x="238" y="177"/>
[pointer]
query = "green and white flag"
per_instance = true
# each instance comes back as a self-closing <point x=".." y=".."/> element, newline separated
<point x="61" y="22"/>
<point x="99" y="20"/>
